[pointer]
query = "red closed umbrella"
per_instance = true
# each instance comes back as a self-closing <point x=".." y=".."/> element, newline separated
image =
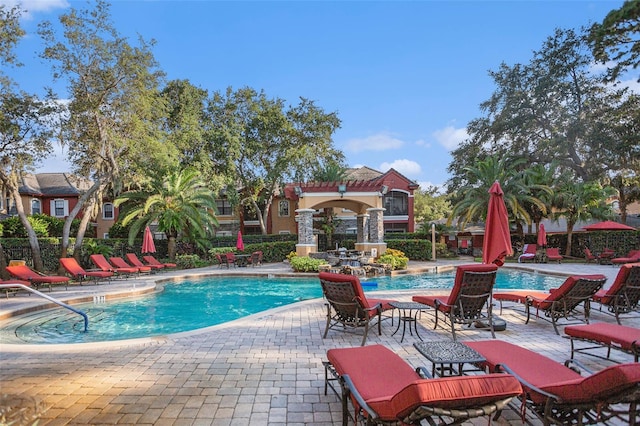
<point x="542" y="236"/>
<point x="497" y="238"/>
<point x="240" y="243"/>
<point x="148" y="246"/>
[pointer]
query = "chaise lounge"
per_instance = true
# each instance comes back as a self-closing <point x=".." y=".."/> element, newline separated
<point x="558" y="394"/>
<point x="80" y="274"/>
<point x="528" y="253"/>
<point x="558" y="303"/>
<point x="604" y="335"/>
<point x="623" y="296"/>
<point x="384" y="389"/>
<point x="631" y="257"/>
<point x="24" y="273"/>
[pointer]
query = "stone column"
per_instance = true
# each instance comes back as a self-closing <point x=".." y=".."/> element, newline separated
<point x="376" y="225"/>
<point x="306" y="243"/>
<point x="362" y="222"/>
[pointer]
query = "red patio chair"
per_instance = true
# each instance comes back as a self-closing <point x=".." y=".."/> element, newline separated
<point x="153" y="261"/>
<point x="623" y="296"/>
<point x="101" y="263"/>
<point x="470" y="297"/>
<point x="384" y="389"/>
<point x="589" y="257"/>
<point x="80" y="274"/>
<point x="558" y="303"/>
<point x="604" y="335"/>
<point x="553" y="254"/>
<point x="24" y="273"/>
<point x="347" y="305"/>
<point x="631" y="257"/>
<point x="558" y="394"/>
<point x="528" y="253"/>
<point x="134" y="261"/>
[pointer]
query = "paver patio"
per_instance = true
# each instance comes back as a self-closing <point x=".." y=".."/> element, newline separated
<point x="265" y="369"/>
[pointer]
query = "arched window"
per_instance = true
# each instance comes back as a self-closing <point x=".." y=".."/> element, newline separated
<point x="396" y="203"/>
<point x="36" y="206"/>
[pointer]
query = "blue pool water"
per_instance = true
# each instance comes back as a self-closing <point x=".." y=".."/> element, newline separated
<point x="189" y="305"/>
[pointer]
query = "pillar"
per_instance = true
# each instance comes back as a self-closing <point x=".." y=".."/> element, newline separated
<point x="306" y="243"/>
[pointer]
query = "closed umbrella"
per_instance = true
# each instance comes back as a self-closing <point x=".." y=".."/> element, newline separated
<point x="542" y="236"/>
<point x="497" y="238"/>
<point x="239" y="242"/>
<point x="148" y="246"/>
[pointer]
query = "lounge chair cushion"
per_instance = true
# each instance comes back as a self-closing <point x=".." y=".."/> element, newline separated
<point x="357" y="287"/>
<point x="27" y="274"/>
<point x="453" y="296"/>
<point x="393" y="389"/>
<point x="600" y="385"/>
<point x="627" y="338"/>
<point x="460" y="392"/>
<point x="604" y="296"/>
<point x="632" y="256"/>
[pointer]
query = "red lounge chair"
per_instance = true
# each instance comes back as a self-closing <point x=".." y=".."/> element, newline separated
<point x="558" y="303"/>
<point x="469" y="298"/>
<point x="120" y="263"/>
<point x="386" y="390"/>
<point x="553" y="254"/>
<point x="101" y="263"/>
<point x="528" y="253"/>
<point x="623" y="296"/>
<point x="605" y="335"/>
<point x="559" y="395"/>
<point x="347" y="306"/>
<point x="78" y="273"/>
<point x="605" y="257"/>
<point x="589" y="257"/>
<point x="134" y="261"/>
<point x="231" y="259"/>
<point x="6" y="285"/>
<point x="256" y="258"/>
<point x="632" y="257"/>
<point x="24" y="273"/>
<point x="153" y="261"/>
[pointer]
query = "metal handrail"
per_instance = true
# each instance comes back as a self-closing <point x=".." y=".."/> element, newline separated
<point x="57" y="302"/>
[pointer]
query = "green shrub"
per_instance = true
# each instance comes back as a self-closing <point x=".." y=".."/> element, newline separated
<point x="395" y="258"/>
<point x="188" y="261"/>
<point x="306" y="264"/>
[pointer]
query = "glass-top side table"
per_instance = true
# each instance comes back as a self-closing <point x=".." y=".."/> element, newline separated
<point x="448" y="357"/>
<point x="408" y="313"/>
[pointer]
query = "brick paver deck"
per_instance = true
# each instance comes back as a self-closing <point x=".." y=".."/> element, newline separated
<point x="263" y="369"/>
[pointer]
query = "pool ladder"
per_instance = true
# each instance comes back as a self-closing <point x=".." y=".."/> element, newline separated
<point x="56" y="301"/>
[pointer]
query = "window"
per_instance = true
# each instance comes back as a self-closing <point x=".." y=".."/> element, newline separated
<point x="396" y="203"/>
<point x="59" y="208"/>
<point x="107" y="211"/>
<point x="35" y="206"/>
<point x="283" y="208"/>
<point x="224" y="208"/>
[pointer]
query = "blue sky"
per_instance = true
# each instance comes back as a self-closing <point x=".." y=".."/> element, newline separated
<point x="404" y="77"/>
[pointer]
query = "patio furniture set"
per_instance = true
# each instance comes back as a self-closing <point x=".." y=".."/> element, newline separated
<point x="502" y="372"/>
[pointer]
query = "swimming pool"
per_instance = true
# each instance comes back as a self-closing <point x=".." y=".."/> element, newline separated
<point x="193" y="304"/>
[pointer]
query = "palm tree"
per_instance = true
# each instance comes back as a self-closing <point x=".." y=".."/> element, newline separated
<point x="179" y="203"/>
<point x="475" y="195"/>
<point x="332" y="171"/>
<point x="579" y="201"/>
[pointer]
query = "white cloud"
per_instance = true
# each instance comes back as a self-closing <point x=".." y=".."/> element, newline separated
<point x="377" y="142"/>
<point x="450" y="137"/>
<point x="34" y="6"/>
<point x="632" y="84"/>
<point x="408" y="168"/>
<point x="422" y="142"/>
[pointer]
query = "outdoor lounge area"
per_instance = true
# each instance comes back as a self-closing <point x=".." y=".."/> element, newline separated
<point x="263" y="369"/>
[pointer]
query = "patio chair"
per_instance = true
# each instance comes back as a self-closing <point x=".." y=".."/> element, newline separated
<point x="80" y="274"/>
<point x="398" y="394"/>
<point x="528" y="253"/>
<point x="6" y="286"/>
<point x="150" y="260"/>
<point x="631" y="257"/>
<point x="222" y="260"/>
<point x="256" y="258"/>
<point x="469" y="299"/>
<point x="604" y="335"/>
<point x="347" y="305"/>
<point x="36" y="279"/>
<point x="231" y="259"/>
<point x="101" y="263"/>
<point x="120" y="263"/>
<point x="558" y="394"/>
<point x="623" y="296"/>
<point x="135" y="261"/>
<point x="558" y="303"/>
<point x="588" y="256"/>
<point x="553" y="255"/>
